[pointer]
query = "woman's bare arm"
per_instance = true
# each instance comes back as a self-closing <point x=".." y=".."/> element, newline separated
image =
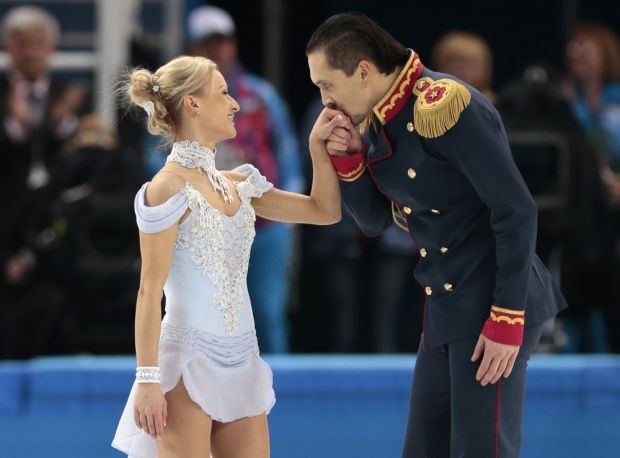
<point x="150" y="408"/>
<point x="156" y="252"/>
<point x="323" y="205"/>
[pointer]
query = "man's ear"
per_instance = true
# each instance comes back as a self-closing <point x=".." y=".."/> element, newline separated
<point x="365" y="69"/>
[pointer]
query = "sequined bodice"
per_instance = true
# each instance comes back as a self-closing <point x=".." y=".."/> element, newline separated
<point x="206" y="286"/>
<point x="219" y="246"/>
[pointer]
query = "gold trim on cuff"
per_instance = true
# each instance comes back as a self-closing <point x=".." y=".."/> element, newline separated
<point x="512" y="312"/>
<point x="354" y="174"/>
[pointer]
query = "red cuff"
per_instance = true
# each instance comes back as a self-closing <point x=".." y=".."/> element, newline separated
<point x="349" y="167"/>
<point x="505" y="326"/>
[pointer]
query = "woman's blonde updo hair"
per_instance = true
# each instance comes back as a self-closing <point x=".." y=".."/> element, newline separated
<point x="166" y="88"/>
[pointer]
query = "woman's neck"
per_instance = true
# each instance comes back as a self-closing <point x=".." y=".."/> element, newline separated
<point x="196" y="134"/>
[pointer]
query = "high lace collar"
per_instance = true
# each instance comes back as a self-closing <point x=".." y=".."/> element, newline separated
<point x="193" y="155"/>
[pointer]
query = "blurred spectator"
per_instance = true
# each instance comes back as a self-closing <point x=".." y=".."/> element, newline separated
<point x="37" y="114"/>
<point x="79" y="240"/>
<point x="130" y="125"/>
<point x="466" y="56"/>
<point x="266" y="139"/>
<point x="366" y="301"/>
<point x="593" y="87"/>
<point x="331" y="276"/>
<point x="575" y="220"/>
<point x="90" y="211"/>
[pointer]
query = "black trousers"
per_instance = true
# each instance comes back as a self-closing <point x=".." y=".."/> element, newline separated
<point x="452" y="416"/>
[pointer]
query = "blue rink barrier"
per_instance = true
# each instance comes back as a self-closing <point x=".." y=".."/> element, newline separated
<point x="327" y="406"/>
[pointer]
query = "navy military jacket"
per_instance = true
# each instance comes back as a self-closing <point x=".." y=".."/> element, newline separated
<point x="459" y="194"/>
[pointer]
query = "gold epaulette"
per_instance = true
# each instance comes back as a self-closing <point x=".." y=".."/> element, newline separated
<point x="438" y="106"/>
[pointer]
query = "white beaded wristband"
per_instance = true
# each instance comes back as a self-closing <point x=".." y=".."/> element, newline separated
<point x="147" y="374"/>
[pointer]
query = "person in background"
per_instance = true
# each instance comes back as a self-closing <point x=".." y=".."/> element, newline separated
<point x="467" y="56"/>
<point x="366" y="302"/>
<point x="592" y="86"/>
<point x="37" y="115"/>
<point x="266" y="139"/>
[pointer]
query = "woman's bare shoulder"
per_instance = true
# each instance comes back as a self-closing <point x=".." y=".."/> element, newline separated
<point x="163" y="186"/>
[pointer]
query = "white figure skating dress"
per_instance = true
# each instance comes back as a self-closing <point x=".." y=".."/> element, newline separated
<point x="207" y="333"/>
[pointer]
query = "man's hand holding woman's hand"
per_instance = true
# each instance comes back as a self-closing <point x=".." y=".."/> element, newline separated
<point x="336" y="131"/>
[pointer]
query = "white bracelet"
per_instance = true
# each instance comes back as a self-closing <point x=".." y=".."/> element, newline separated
<point x="147" y="374"/>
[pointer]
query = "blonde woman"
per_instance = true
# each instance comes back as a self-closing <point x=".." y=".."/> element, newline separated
<point x="201" y="387"/>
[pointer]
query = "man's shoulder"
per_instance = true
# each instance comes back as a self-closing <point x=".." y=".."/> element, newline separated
<point x="476" y="96"/>
<point x="441" y="102"/>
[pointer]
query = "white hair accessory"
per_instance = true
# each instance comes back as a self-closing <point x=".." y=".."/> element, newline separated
<point x="154" y="79"/>
<point x="149" y="107"/>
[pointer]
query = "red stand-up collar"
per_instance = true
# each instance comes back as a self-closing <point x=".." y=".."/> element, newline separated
<point x="400" y="91"/>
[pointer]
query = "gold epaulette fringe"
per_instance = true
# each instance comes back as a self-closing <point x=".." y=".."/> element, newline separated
<point x="439" y="107"/>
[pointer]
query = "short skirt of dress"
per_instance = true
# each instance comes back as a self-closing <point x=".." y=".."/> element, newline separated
<point x="225" y="376"/>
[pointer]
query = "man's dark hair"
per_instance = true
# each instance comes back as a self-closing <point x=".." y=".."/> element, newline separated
<point x="348" y="38"/>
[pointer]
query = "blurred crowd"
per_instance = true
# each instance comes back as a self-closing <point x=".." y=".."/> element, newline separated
<point x="69" y="254"/>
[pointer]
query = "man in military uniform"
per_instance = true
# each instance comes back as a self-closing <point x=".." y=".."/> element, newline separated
<point x="434" y="159"/>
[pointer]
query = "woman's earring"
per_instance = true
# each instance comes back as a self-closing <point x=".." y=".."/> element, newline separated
<point x="197" y="112"/>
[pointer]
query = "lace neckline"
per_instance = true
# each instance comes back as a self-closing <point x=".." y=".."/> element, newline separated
<point x="193" y="155"/>
<point x="189" y="190"/>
